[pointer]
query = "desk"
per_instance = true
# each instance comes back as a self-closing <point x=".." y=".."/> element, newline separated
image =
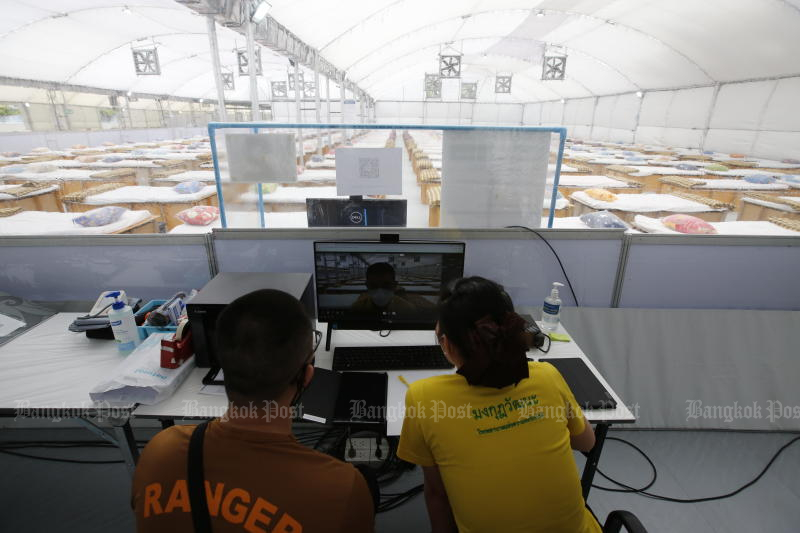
<point x="47" y="372"/>
<point x="188" y="403"/>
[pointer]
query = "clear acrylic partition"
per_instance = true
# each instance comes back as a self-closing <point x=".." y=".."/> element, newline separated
<point x="385" y="175"/>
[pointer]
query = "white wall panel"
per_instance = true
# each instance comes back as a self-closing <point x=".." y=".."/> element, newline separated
<point x="783" y="111"/>
<point x="551" y="113"/>
<point x="739" y="105"/>
<point x="626" y="107"/>
<point x="655" y="106"/>
<point x="689" y="108"/>
<point x="778" y="144"/>
<point x="680" y="137"/>
<point x="730" y="141"/>
<point x="532" y="114"/>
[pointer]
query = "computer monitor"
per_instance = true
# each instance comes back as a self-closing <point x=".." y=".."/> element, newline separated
<point x="380" y="285"/>
<point x="355" y="212"/>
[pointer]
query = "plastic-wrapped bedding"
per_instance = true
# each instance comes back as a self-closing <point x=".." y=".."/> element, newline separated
<point x="739" y="227"/>
<point x="317" y="175"/>
<point x="773" y="205"/>
<point x="644" y="203"/>
<point x="250" y="219"/>
<point x="139" y="193"/>
<point x="50" y="223"/>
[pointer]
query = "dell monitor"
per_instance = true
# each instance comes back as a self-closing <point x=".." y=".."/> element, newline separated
<point x="356" y="212"/>
<point x="383" y="285"/>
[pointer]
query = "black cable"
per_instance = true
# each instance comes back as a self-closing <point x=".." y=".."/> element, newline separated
<point x="400" y="499"/>
<point x="697" y="500"/>
<point x="649" y="461"/>
<point x="388" y="332"/>
<point x="569" y="283"/>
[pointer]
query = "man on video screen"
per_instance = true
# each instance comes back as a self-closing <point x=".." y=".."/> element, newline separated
<point x="385" y="295"/>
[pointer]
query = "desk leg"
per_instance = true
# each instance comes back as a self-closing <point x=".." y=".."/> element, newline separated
<point x="126" y="443"/>
<point x="592" y="458"/>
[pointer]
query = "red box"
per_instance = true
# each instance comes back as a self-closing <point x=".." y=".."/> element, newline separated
<point x="175" y="353"/>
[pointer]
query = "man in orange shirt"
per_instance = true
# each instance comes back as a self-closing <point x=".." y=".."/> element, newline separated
<point x="254" y="475"/>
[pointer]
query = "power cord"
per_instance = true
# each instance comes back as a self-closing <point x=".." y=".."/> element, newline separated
<point x="563" y="271"/>
<point x="643" y="490"/>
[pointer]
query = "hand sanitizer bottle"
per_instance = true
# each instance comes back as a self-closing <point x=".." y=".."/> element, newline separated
<point x="551" y="309"/>
<point x="123" y="324"/>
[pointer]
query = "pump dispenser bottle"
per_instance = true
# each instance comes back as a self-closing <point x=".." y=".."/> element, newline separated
<point x="551" y="309"/>
<point x="123" y="324"/>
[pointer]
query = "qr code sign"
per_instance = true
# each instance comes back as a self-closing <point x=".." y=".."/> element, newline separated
<point x="368" y="168"/>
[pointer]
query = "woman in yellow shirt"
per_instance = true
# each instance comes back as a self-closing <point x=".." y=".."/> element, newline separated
<point x="495" y="439"/>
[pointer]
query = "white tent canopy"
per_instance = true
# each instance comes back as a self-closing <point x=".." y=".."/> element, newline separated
<point x="90" y="43"/>
<point x="613" y="46"/>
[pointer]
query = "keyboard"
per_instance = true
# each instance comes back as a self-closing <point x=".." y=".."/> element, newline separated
<point x="389" y="358"/>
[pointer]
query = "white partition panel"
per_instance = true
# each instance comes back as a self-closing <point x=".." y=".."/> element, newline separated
<point x="80" y="268"/>
<point x="515" y="258"/>
<point x="712" y="272"/>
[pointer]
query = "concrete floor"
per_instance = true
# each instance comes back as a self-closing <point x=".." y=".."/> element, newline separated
<point x="44" y="496"/>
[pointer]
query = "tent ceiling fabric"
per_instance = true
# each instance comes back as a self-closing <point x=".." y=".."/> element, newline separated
<point x="387" y="46"/>
<point x="89" y="43"/>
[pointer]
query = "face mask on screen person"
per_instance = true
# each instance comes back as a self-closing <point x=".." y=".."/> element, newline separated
<point x="381" y="297"/>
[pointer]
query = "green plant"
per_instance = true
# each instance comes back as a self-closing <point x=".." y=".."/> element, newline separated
<point x="8" y="110"/>
<point x="108" y="114"/>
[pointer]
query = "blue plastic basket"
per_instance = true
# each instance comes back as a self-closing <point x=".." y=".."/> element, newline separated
<point x="146" y="331"/>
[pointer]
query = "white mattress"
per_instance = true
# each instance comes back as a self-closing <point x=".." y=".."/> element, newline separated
<point x="741" y="172"/>
<point x="189" y="175"/>
<point x="773" y="205"/>
<point x="125" y="163"/>
<point x="738" y="185"/>
<point x="561" y="203"/>
<point x="68" y="174"/>
<point x="139" y="193"/>
<point x="175" y="156"/>
<point x="564" y="168"/>
<point x="317" y="174"/>
<point x="739" y="227"/>
<point x="665" y="171"/>
<point x="47" y="223"/>
<point x="249" y="219"/>
<point x="586" y="180"/>
<point x="35" y="193"/>
<point x="291" y="195"/>
<point x="645" y="203"/>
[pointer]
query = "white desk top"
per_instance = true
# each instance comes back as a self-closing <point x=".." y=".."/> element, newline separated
<point x="187" y="402"/>
<point x="52" y="369"/>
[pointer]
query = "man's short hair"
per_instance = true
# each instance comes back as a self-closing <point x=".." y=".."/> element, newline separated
<point x="380" y="269"/>
<point x="263" y="338"/>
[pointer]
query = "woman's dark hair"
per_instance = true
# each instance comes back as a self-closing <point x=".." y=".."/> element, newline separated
<point x="477" y="316"/>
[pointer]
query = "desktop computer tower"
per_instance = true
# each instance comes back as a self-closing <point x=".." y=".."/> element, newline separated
<point x="206" y="306"/>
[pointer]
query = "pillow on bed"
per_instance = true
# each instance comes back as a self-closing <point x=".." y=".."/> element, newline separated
<point x="688" y="224"/>
<point x="12" y="169"/>
<point x="40" y="150"/>
<point x="188" y="187"/>
<point x="10" y="154"/>
<point x="100" y="216"/>
<point x="717" y="168"/>
<point x="635" y="158"/>
<point x="87" y="158"/>
<point x="601" y="194"/>
<point x="737" y="156"/>
<point x="316" y="158"/>
<point x="112" y="159"/>
<point x="790" y="161"/>
<point x="685" y="166"/>
<point x="602" y="219"/>
<point x="761" y="179"/>
<point x="201" y="215"/>
<point x="79" y="146"/>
